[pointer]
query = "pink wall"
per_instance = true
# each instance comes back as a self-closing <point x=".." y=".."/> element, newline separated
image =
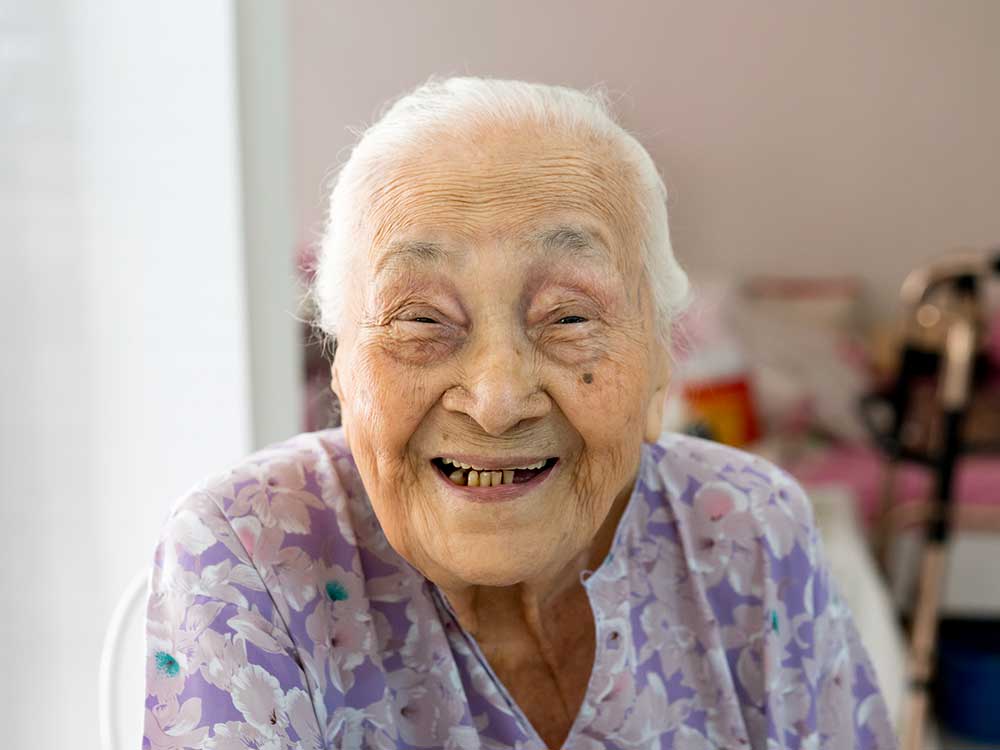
<point x="798" y="137"/>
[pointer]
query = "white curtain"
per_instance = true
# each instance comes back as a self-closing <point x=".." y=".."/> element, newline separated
<point x="123" y="336"/>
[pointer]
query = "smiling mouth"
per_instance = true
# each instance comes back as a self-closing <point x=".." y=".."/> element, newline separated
<point x="471" y="476"/>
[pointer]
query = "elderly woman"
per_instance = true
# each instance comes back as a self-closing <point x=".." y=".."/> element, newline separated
<point x="499" y="548"/>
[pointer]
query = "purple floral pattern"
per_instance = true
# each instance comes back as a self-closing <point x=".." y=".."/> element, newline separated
<point x="280" y="617"/>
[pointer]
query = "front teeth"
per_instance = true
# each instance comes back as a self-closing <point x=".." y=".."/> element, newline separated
<point x="485" y="478"/>
<point x="477" y="477"/>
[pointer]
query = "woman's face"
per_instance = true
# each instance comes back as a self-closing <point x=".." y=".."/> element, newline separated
<point x="498" y="316"/>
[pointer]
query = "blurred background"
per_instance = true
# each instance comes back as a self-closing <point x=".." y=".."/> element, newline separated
<point x="163" y="169"/>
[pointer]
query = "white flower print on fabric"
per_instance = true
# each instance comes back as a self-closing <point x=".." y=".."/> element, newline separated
<point x="238" y="735"/>
<point x="282" y="566"/>
<point x="222" y="656"/>
<point x="276" y="494"/>
<point x="666" y="641"/>
<point x="341" y="638"/>
<point x="170" y="726"/>
<point x="424" y="707"/>
<point x="260" y="631"/>
<point x="423" y="638"/>
<point x="258" y="696"/>
<point x="724" y="531"/>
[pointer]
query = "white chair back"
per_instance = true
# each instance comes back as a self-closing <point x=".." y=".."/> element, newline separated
<point x="122" y="672"/>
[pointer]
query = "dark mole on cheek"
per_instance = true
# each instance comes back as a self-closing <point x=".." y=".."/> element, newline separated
<point x="588" y="377"/>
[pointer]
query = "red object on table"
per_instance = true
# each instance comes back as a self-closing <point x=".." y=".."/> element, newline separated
<point x="725" y="406"/>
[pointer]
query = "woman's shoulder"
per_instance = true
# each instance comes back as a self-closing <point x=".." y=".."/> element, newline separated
<point x="290" y="510"/>
<point x="747" y="533"/>
<point x="703" y="458"/>
<point x="732" y="503"/>
<point x="304" y="490"/>
<point x="248" y="568"/>
<point x="279" y="483"/>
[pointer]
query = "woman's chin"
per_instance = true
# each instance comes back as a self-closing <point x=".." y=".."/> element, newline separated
<point x="488" y="568"/>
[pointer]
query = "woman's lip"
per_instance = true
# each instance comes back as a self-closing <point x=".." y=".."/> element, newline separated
<point x="499" y="493"/>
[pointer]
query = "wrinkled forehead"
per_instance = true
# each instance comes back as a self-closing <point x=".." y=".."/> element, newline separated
<point x="512" y="188"/>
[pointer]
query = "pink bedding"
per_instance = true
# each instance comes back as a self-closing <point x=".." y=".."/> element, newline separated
<point x="862" y="468"/>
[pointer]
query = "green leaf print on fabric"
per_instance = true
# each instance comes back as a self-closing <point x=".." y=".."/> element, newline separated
<point x="167" y="664"/>
<point x="336" y="591"/>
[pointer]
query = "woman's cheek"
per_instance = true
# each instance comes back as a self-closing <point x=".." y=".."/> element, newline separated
<point x="580" y="348"/>
<point x="607" y="393"/>
<point x="396" y="395"/>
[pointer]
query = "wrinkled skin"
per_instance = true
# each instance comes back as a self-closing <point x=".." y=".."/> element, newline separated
<point x="500" y="348"/>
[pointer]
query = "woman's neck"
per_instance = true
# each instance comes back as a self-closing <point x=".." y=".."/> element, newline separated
<point x="539" y="636"/>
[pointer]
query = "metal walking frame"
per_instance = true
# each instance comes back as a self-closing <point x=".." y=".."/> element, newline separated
<point x="933" y="414"/>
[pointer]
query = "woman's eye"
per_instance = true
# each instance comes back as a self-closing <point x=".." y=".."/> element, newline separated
<point x="419" y="319"/>
<point x="571" y="319"/>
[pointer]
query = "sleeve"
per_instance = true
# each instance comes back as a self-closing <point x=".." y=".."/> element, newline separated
<point x="818" y="684"/>
<point x="222" y="671"/>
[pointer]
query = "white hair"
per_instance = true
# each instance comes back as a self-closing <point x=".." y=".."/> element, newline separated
<point x="440" y="106"/>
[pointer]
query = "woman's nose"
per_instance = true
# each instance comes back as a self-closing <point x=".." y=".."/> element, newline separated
<point x="501" y="389"/>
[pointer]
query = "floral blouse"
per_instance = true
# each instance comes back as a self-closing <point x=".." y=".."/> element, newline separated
<point x="280" y="617"/>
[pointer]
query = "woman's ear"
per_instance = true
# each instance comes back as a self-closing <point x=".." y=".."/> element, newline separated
<point x="658" y="400"/>
<point x="335" y="380"/>
<point x="336" y="359"/>
<point x="338" y="392"/>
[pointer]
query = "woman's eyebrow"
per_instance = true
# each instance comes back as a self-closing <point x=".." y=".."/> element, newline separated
<point x="402" y="253"/>
<point x="580" y="251"/>
<point x="567" y="237"/>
